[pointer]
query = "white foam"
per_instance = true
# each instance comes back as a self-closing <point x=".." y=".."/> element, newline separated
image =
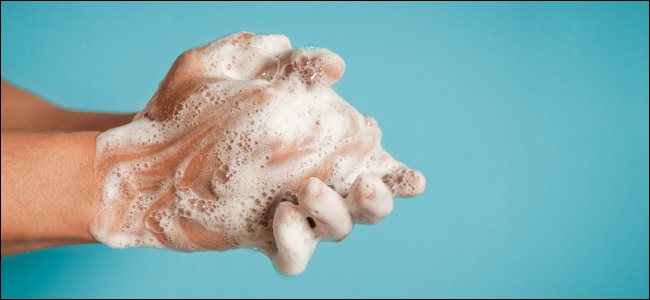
<point x="246" y="160"/>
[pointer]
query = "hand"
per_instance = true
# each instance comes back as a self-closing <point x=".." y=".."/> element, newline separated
<point x="245" y="144"/>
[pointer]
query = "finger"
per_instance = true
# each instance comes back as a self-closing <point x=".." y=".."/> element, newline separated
<point x="311" y="66"/>
<point x="325" y="210"/>
<point x="271" y="45"/>
<point x="371" y="199"/>
<point x="294" y="238"/>
<point x="242" y="55"/>
<point x="405" y="182"/>
<point x="238" y="56"/>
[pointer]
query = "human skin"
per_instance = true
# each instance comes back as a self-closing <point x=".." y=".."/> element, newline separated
<point x="25" y="111"/>
<point x="187" y="77"/>
<point x="49" y="191"/>
<point x="245" y="144"/>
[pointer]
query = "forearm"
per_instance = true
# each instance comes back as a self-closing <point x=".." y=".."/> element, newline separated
<point x="68" y="120"/>
<point x="49" y="190"/>
<point x="22" y="110"/>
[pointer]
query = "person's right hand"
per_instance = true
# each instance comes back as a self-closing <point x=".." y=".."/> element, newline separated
<point x="245" y="144"/>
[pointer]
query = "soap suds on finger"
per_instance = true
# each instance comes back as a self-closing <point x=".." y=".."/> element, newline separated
<point x="262" y="154"/>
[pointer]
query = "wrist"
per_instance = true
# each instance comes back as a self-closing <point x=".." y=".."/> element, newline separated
<point x="80" y="184"/>
<point x="49" y="190"/>
<point x="91" y="121"/>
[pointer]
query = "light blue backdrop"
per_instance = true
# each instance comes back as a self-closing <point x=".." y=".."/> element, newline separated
<point x="529" y="120"/>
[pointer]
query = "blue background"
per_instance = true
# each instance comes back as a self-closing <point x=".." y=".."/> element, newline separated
<point x="530" y="121"/>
